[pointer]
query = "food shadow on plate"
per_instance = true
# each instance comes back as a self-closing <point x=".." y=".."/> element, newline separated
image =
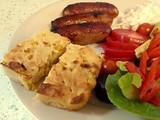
<point x="95" y="106"/>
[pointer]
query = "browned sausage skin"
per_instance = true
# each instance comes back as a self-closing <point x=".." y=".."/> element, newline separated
<point x="82" y="18"/>
<point x="85" y="7"/>
<point x="85" y="33"/>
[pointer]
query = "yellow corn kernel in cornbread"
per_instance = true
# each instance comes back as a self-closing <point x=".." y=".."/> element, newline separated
<point x="70" y="81"/>
<point x="30" y="61"/>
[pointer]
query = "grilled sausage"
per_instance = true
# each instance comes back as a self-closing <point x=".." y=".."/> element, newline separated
<point x="82" y="18"/>
<point x="85" y="33"/>
<point x="85" y="7"/>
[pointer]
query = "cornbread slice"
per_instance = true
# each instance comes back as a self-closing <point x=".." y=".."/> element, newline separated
<point x="30" y="61"/>
<point x="70" y="81"/>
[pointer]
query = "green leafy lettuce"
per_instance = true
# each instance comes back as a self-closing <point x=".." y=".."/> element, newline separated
<point x="121" y="65"/>
<point x="157" y="28"/>
<point x="129" y="84"/>
<point x="137" y="107"/>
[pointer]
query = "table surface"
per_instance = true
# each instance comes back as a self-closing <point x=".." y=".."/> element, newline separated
<point x="12" y="14"/>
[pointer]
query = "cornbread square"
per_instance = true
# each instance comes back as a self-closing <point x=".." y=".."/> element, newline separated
<point x="70" y="82"/>
<point x="30" y="61"/>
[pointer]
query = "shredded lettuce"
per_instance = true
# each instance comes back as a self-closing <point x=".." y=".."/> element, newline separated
<point x="137" y="107"/>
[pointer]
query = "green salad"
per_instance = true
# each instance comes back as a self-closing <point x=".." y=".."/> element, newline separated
<point x="136" y="88"/>
<point x="135" y="106"/>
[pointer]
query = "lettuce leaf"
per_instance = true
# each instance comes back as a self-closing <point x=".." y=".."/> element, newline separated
<point x="137" y="107"/>
<point x="156" y="26"/>
<point x="129" y="84"/>
<point x="121" y="65"/>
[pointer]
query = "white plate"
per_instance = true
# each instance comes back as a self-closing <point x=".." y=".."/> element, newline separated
<point x="41" y="20"/>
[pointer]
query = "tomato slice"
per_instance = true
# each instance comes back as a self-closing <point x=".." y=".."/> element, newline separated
<point x="128" y="36"/>
<point x="119" y="45"/>
<point x="129" y="58"/>
<point x="112" y="52"/>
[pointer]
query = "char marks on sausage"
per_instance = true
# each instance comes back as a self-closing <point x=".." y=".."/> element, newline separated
<point x="82" y="18"/>
<point x="85" y="33"/>
<point x="86" y="22"/>
<point x="85" y="7"/>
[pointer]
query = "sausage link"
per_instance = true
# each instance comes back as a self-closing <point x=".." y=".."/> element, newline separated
<point x="85" y="7"/>
<point x="82" y="18"/>
<point x="85" y="33"/>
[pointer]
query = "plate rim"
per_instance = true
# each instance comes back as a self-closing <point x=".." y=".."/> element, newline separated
<point x="13" y="83"/>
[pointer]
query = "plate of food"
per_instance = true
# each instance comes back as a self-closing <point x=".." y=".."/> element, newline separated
<point x="88" y="59"/>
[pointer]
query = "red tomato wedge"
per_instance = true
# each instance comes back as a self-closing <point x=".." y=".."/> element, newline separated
<point x="119" y="45"/>
<point x="145" y="29"/>
<point x="128" y="36"/>
<point x="108" y="66"/>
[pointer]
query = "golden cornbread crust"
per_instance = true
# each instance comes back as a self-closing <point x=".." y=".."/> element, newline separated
<point x="30" y="61"/>
<point x="70" y="82"/>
